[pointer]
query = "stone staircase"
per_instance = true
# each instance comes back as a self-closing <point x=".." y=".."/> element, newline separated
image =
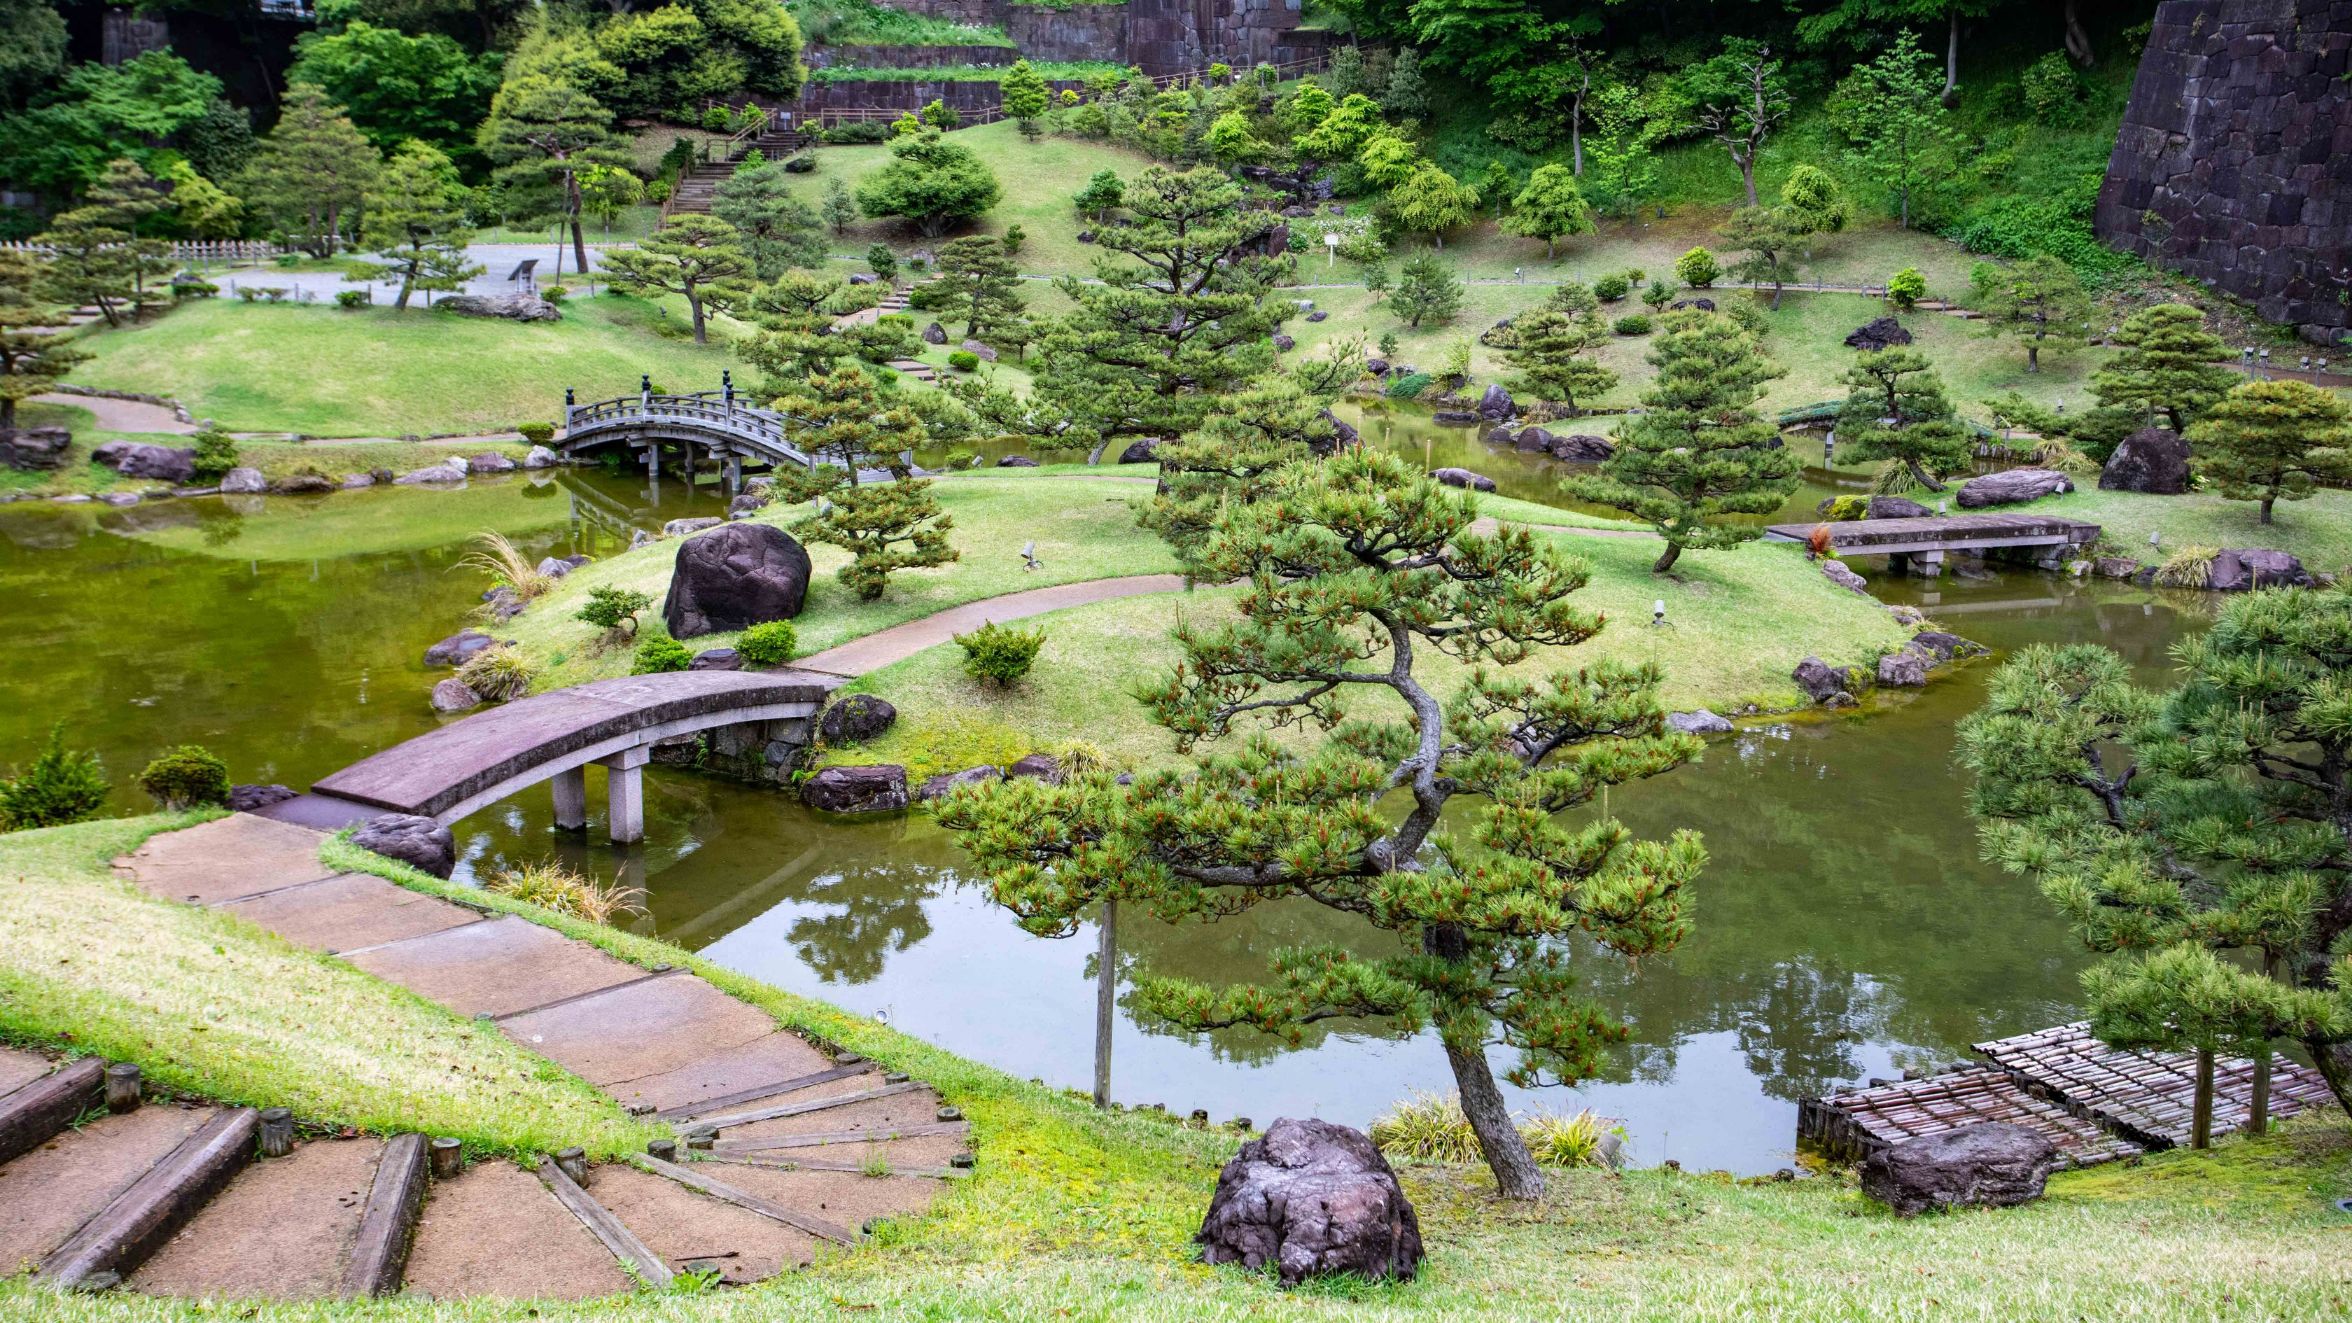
<point x="700" y="183"/>
<point x="784" y="1147"/>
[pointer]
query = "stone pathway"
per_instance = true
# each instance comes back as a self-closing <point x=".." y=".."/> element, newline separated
<point x="900" y="642"/>
<point x="788" y="1147"/>
<point x="122" y="415"/>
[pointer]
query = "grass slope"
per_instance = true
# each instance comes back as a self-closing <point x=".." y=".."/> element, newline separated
<point x="2318" y="530"/>
<point x="373" y="372"/>
<point x="212" y="1005"/>
<point x="1084" y="529"/>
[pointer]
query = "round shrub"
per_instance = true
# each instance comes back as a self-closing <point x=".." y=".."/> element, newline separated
<point x="554" y="293"/>
<point x="1609" y="289"/>
<point x="352" y="298"/>
<point x="1906" y="288"/>
<point x="62" y="785"/>
<point x="185" y="777"/>
<point x="658" y="652"/>
<point x="537" y="434"/>
<point x="769" y="643"/>
<point x="1697" y="268"/>
<point x="963" y="360"/>
<point x="216" y="454"/>
<point x="1658" y="295"/>
<point x="999" y="654"/>
<point x="1635" y="324"/>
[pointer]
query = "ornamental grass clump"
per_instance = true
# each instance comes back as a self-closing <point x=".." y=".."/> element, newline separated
<point x="507" y="566"/>
<point x="186" y="776"/>
<point x="498" y="674"/>
<point x="1429" y="1127"/>
<point x="1570" y="1141"/>
<point x="552" y="886"/>
<point x="61" y="786"/>
<point x="2189" y="567"/>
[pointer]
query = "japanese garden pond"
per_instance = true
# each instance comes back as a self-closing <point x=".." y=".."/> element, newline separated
<point x="1846" y="926"/>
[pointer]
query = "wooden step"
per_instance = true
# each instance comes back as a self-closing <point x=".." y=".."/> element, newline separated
<point x="827" y="1138"/>
<point x="496" y="1230"/>
<point x="778" y="1111"/>
<point x="799" y="1219"/>
<point x="695" y="1111"/>
<point x="143" y="1217"/>
<point x="31" y="1113"/>
<point x="687" y="1228"/>
<point x="387" y="1225"/>
<point x="48" y="1194"/>
<point x="627" y="1250"/>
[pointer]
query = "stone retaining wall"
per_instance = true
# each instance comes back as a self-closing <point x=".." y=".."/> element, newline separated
<point x="966" y="95"/>
<point x="908" y="57"/>
<point x="1161" y="36"/>
<point x="2234" y="163"/>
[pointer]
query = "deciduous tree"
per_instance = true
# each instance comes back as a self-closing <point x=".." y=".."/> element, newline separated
<point x="1899" y="124"/>
<point x="1550" y="208"/>
<point x="1430" y="202"/>
<point x="1742" y="100"/>
<point x="1025" y="95"/>
<point x="395" y="86"/>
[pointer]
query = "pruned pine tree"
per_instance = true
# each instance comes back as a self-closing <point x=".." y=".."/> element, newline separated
<point x="542" y="132"/>
<point x="1770" y="238"/>
<point x="2169" y="364"/>
<point x="701" y="259"/>
<point x="979" y="282"/>
<point x="416" y="223"/>
<point x="97" y="255"/>
<point x="1434" y="817"/>
<point x="1237" y="456"/>
<point x="2272" y="441"/>
<point x="1553" y="356"/>
<point x="2197" y="837"/>
<point x="846" y="423"/>
<point x="1898" y="411"/>
<point x="1699" y="450"/>
<point x="2040" y="302"/>
<point x="33" y="357"/>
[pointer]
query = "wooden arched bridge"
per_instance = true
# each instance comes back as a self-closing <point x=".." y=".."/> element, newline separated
<point x="717" y="423"/>
<point x="472" y="763"/>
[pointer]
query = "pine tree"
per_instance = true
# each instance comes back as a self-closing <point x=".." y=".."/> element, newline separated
<point x="978" y="281"/>
<point x="1407" y="94"/>
<point x="2169" y="365"/>
<point x="1550" y="208"/>
<point x="840" y="209"/>
<point x="1358" y="569"/>
<point x="1104" y="190"/>
<point x="543" y="130"/>
<point x="1235" y="458"/>
<point x="795" y="340"/>
<point x="1899" y="123"/>
<point x="32" y="355"/>
<point x="778" y="229"/>
<point x="884" y="526"/>
<point x="1426" y="290"/>
<point x="2040" y="301"/>
<point x="1699" y="450"/>
<point x="97" y="256"/>
<point x="416" y="222"/>
<point x="2171" y="828"/>
<point x="1770" y="236"/>
<point x="702" y="259"/>
<point x="2270" y="441"/>
<point x="1552" y="357"/>
<point x="1025" y="96"/>
<point x="932" y="181"/>
<point x="1898" y="411"/>
<point x="311" y="169"/>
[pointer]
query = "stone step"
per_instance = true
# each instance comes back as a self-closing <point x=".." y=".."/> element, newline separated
<point x="496" y="1230"/>
<point x="775" y="1062"/>
<point x="18" y="1069"/>
<point x="140" y="1219"/>
<point x="641" y="1028"/>
<point x="285" y="1227"/>
<point x="498" y="967"/>
<point x="348" y="912"/>
<point x="226" y="859"/>
<point x="48" y="1194"/>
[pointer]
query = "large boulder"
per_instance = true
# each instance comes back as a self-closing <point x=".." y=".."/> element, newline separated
<point x="978" y="350"/>
<point x="1700" y="722"/>
<point x="1583" y="449"/>
<point x="1016" y="462"/>
<point x="1464" y="478"/>
<point x="1496" y="404"/>
<point x="1312" y="1199"/>
<point x="248" y="798"/>
<point x="934" y="334"/>
<point x="1043" y="766"/>
<point x="1884" y="333"/>
<point x="1895" y="507"/>
<point x="1992" y="1164"/>
<point x="2011" y="487"/>
<point x="2153" y="460"/>
<point x="746" y="503"/>
<point x="421" y="843"/>
<point x="243" y="481"/>
<point x="934" y="787"/>
<point x="881" y="788"/>
<point x="1942" y="646"/>
<point x="458" y="648"/>
<point x="733" y="577"/>
<point x="541" y="458"/>
<point x="1529" y="439"/>
<point x="1140" y="452"/>
<point x="516" y="307"/>
<point x="489" y="461"/>
<point x="34" y="448"/>
<point x="137" y="459"/>
<point x="856" y="719"/>
<point x="1343" y="434"/>
<point x="2244" y="568"/>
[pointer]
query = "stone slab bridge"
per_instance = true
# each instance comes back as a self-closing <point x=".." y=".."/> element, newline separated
<point x="1924" y="542"/>
<point x="714" y="423"/>
<point x="478" y="760"/>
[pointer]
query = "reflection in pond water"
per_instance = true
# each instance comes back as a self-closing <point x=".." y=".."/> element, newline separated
<point x="1846" y="926"/>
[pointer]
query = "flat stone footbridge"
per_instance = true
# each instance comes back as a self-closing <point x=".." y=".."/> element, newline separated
<point x="714" y="423"/>
<point x="1924" y="542"/>
<point x="476" y="761"/>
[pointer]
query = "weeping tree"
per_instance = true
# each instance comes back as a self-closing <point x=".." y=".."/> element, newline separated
<point x="2199" y="838"/>
<point x="1433" y="817"/>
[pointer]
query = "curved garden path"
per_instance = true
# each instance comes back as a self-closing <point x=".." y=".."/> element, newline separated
<point x="899" y="642"/>
<point x="784" y="1146"/>
<point x="114" y="415"/>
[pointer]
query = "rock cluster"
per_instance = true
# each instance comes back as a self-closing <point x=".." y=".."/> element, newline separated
<point x="34" y="448"/>
<point x="421" y="843"/>
<point x="138" y="459"/>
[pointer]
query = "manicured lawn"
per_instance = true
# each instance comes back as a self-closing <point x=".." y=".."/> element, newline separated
<point x="2318" y="530"/>
<point x="1083" y="529"/>
<point x="212" y="1005"/>
<point x="373" y="372"/>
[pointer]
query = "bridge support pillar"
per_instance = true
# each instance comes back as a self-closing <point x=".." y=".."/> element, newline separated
<point x="571" y="798"/>
<point x="1930" y="563"/>
<point x="734" y="474"/>
<point x="625" y="795"/>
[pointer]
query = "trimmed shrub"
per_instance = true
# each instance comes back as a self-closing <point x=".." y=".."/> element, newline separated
<point x="62" y="785"/>
<point x="611" y="608"/>
<point x="186" y="776"/>
<point x="1906" y="288"/>
<point x="1409" y="386"/>
<point x="194" y="289"/>
<point x="216" y="454"/>
<point x="769" y="643"/>
<point x="1633" y="324"/>
<point x="537" y="434"/>
<point x="858" y="131"/>
<point x="999" y="654"/>
<point x="1843" y="508"/>
<point x="1609" y="289"/>
<point x="1658" y="295"/>
<point x="498" y="674"/>
<point x="352" y="298"/>
<point x="883" y="261"/>
<point x="963" y="360"/>
<point x="554" y="293"/>
<point x="657" y="652"/>
<point x="1697" y="268"/>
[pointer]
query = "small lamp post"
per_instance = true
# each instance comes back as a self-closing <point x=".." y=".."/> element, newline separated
<point x="2249" y="362"/>
<point x="1658" y="611"/>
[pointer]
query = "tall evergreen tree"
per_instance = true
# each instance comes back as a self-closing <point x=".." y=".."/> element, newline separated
<point x="978" y="281"/>
<point x="1898" y="411"/>
<point x="701" y="259"/>
<point x="1813" y="195"/>
<point x="33" y="357"/>
<point x="840" y="209"/>
<point x="416" y="222"/>
<point x="543" y="130"/>
<point x="311" y="169"/>
<point x="778" y="228"/>
<point x="1552" y="354"/>
<point x="1699" y="450"/>
<point x="2170" y="365"/>
<point x="1426" y="291"/>
<point x="2039" y="301"/>
<point x="2270" y="441"/>
<point x="1025" y="96"/>
<point x="1436" y="818"/>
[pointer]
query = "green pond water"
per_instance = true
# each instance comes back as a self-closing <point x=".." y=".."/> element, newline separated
<point x="1845" y="928"/>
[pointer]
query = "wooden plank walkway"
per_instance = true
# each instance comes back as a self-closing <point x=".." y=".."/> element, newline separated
<point x="2093" y="1102"/>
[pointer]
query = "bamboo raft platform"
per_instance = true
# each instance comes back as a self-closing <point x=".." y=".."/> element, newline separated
<point x="2148" y="1096"/>
<point x="2093" y="1102"/>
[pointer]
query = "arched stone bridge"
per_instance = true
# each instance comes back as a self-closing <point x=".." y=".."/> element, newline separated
<point x="481" y="759"/>
<point x="715" y="421"/>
